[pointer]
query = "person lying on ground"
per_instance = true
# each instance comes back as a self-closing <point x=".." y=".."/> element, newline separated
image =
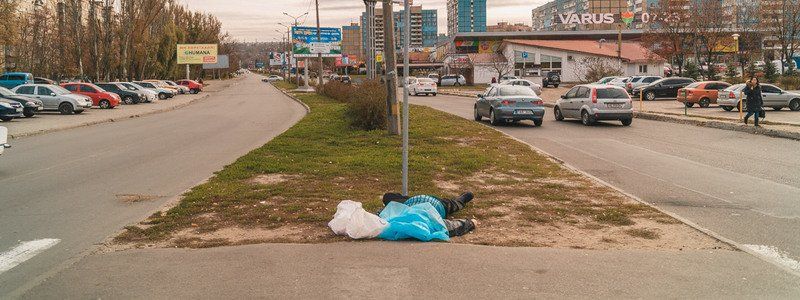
<point x="445" y="208"/>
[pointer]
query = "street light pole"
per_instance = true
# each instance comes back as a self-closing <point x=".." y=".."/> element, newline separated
<point x="369" y="27"/>
<point x="296" y="61"/>
<point x="390" y="63"/>
<point x="406" y="46"/>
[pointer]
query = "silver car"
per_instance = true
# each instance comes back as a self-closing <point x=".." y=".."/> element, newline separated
<point x="453" y="80"/>
<point x="54" y="97"/>
<point x="591" y="103"/>
<point x="162" y="92"/>
<point x="637" y="81"/>
<point x="508" y="103"/>
<point x="537" y="88"/>
<point x="773" y="96"/>
<point x="619" y="81"/>
<point x="150" y="95"/>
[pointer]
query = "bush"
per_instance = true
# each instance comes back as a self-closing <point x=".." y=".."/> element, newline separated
<point x="731" y="71"/>
<point x="789" y="82"/>
<point x="691" y="70"/>
<point x="366" y="109"/>
<point x="770" y="72"/>
<point x="342" y="92"/>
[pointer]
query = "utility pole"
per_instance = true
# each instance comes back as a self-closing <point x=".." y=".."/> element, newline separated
<point x="390" y="61"/>
<point x="319" y="55"/>
<point x="60" y="6"/>
<point x="406" y="45"/>
<point x="296" y="61"/>
<point x="369" y="26"/>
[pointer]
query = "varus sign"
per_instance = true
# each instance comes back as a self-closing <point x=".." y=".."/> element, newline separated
<point x="586" y="18"/>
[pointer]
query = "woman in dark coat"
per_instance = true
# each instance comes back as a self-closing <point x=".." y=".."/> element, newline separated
<point x="754" y="100"/>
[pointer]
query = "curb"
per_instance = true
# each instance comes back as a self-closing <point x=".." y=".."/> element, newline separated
<point x="109" y="120"/>
<point x="308" y="109"/>
<point x="731" y="126"/>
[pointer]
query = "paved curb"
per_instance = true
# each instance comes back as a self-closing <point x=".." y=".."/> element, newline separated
<point x="717" y="124"/>
<point x="108" y="120"/>
<point x="308" y="109"/>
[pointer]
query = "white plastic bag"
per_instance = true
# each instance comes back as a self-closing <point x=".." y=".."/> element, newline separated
<point x="352" y="220"/>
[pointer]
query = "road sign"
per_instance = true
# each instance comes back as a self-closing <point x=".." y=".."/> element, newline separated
<point x="222" y="63"/>
<point x="195" y="54"/>
<point x="524" y="54"/>
<point x="379" y="57"/>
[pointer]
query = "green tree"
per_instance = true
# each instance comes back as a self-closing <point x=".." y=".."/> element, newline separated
<point x="691" y="71"/>
<point x="731" y="71"/>
<point x="770" y="72"/>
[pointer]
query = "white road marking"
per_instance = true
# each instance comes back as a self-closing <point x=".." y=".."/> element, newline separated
<point x="24" y="251"/>
<point x="776" y="255"/>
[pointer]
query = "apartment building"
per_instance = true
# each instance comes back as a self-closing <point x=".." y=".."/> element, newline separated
<point x="351" y="40"/>
<point x="424" y="28"/>
<point x="466" y="16"/>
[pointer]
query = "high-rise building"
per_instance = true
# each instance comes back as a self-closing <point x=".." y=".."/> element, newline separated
<point x="351" y="40"/>
<point x="466" y="16"/>
<point x="424" y="28"/>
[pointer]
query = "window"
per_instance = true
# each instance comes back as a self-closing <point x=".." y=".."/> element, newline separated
<point x="515" y="91"/>
<point x="550" y="63"/>
<point x="71" y="87"/>
<point x="642" y="68"/>
<point x="43" y="91"/>
<point x="612" y="94"/>
<point x="87" y="89"/>
<point x="770" y="89"/>
<point x="4" y="77"/>
<point x="572" y="92"/>
<point x="16" y="77"/>
<point x="583" y="92"/>
<point x="25" y="90"/>
<point x="650" y="79"/>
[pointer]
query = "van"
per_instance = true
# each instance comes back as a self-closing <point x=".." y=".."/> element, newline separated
<point x="12" y="80"/>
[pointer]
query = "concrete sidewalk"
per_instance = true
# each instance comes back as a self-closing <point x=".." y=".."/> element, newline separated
<point x="416" y="270"/>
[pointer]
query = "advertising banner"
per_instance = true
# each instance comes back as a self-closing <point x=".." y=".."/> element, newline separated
<point x="195" y="54"/>
<point x="306" y="44"/>
<point x="222" y="63"/>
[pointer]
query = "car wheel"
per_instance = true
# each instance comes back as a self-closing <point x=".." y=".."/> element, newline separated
<point x="128" y="100"/>
<point x="104" y="104"/>
<point x="28" y="113"/>
<point x="66" y="108"/>
<point x="6" y="119"/>
<point x="457" y="84"/>
<point x="555" y="86"/>
<point x="193" y="91"/>
<point x="434" y="94"/>
<point x="727" y="108"/>
<point x="557" y="113"/>
<point x="794" y="105"/>
<point x="626" y="122"/>
<point x="650" y="96"/>
<point x="493" y="119"/>
<point x="476" y="115"/>
<point x="586" y="119"/>
<point x="162" y="96"/>
<point x="537" y="122"/>
<point x="705" y="102"/>
<point x="688" y="104"/>
<point x="777" y="108"/>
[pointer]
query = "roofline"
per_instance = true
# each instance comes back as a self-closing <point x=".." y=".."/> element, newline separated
<point x="505" y="42"/>
<point x="541" y="34"/>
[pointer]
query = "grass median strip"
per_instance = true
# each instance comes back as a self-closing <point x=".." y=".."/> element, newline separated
<point x="288" y="189"/>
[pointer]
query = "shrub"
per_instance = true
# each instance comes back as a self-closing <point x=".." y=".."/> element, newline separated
<point x="367" y="107"/>
<point x="342" y="92"/>
<point x="691" y="71"/>
<point x="770" y="72"/>
<point x="731" y="71"/>
<point x="789" y="82"/>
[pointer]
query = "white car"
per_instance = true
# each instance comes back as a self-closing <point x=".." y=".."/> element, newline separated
<point x="537" y="88"/>
<point x="151" y="95"/>
<point x="454" y="80"/>
<point x="3" y="139"/>
<point x="162" y="93"/>
<point x="273" y="78"/>
<point x="422" y="85"/>
<point x="619" y="82"/>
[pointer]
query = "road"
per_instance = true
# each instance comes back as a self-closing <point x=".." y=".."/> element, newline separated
<point x="742" y="186"/>
<point x="67" y="190"/>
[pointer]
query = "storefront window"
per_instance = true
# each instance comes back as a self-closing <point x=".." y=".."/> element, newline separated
<point x="551" y="63"/>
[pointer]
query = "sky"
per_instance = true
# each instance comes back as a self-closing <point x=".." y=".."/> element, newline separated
<point x="251" y="21"/>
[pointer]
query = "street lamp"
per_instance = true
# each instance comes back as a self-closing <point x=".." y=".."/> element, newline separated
<point x="736" y="49"/>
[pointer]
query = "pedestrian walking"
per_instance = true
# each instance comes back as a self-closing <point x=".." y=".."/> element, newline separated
<point x="752" y="91"/>
<point x="494" y="80"/>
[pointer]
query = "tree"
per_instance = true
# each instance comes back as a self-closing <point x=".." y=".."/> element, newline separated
<point x="592" y="69"/>
<point x="691" y="71"/>
<point x="710" y="31"/>
<point x="770" y="72"/>
<point x="499" y="64"/>
<point x="781" y="19"/>
<point x="670" y="36"/>
<point x="731" y="72"/>
<point x="747" y="16"/>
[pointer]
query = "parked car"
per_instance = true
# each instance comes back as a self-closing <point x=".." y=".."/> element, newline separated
<point x="637" y="81"/>
<point x="273" y="78"/>
<point x="591" y="103"/>
<point x="619" y="82"/>
<point x="164" y="85"/>
<point x="508" y="77"/>
<point x="150" y="95"/>
<point x="14" y="79"/>
<point x="4" y="139"/>
<point x="551" y="78"/>
<point x="453" y="80"/>
<point x="161" y="92"/>
<point x="10" y="110"/>
<point x="128" y="96"/>
<point x="99" y="96"/>
<point x="665" y="88"/>
<point x="434" y="76"/>
<point x="345" y="79"/>
<point x="181" y="89"/>
<point x="703" y="93"/>
<point x="526" y="83"/>
<point x="774" y="97"/>
<point x="422" y="85"/>
<point x="29" y="105"/>
<point x="42" y="80"/>
<point x="56" y="98"/>
<point x="509" y="103"/>
<point x="194" y="86"/>
<point x="606" y="80"/>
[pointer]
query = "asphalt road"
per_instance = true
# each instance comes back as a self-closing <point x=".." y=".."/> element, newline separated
<point x="70" y="185"/>
<point x="742" y="186"/>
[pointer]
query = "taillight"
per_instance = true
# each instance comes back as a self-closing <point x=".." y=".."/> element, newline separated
<point x="732" y="95"/>
<point x="630" y="86"/>
<point x="594" y="95"/>
<point x="538" y="102"/>
<point x="508" y="102"/>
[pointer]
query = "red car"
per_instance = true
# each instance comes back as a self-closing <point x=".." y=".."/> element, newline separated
<point x="703" y="93"/>
<point x="194" y="86"/>
<point x="100" y="97"/>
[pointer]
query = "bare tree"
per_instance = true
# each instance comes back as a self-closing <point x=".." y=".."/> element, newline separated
<point x="671" y="33"/>
<point x="781" y="19"/>
<point x="592" y="69"/>
<point x="499" y="64"/>
<point x="710" y="29"/>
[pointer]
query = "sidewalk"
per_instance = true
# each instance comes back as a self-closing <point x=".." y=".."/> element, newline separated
<point x="418" y="270"/>
<point x="50" y="121"/>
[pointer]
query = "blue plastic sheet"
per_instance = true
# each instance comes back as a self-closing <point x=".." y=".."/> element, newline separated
<point x="421" y="222"/>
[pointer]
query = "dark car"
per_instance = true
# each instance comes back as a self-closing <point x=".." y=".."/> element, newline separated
<point x="551" y="78"/>
<point x="10" y="110"/>
<point x="666" y="88"/>
<point x="30" y="105"/>
<point x="128" y="96"/>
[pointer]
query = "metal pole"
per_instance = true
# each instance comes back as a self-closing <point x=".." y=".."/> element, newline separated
<point x="319" y="56"/>
<point x="390" y="67"/>
<point x="368" y="28"/>
<point x="187" y="72"/>
<point x="406" y="45"/>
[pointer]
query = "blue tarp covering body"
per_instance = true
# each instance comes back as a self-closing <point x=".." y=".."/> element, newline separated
<point x="421" y="222"/>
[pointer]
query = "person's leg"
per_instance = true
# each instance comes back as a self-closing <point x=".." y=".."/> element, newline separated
<point x="747" y="116"/>
<point x="396" y="197"/>
<point x="456" y="204"/>
<point x="755" y="120"/>
<point x="459" y="227"/>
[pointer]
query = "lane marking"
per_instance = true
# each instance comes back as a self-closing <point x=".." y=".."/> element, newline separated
<point x="777" y="255"/>
<point x="24" y="251"/>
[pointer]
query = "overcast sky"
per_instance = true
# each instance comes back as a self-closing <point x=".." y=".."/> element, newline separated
<point x="258" y="20"/>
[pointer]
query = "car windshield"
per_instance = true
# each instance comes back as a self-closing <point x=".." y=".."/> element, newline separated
<point x="427" y="80"/>
<point x="58" y="90"/>
<point x="511" y="90"/>
<point x="134" y="87"/>
<point x="5" y="92"/>
<point x="611" y="93"/>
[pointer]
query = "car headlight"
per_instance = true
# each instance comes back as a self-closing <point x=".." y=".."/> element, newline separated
<point x="6" y="105"/>
<point x="31" y="104"/>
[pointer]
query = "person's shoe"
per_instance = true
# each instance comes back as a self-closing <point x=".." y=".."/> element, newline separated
<point x="465" y="197"/>
<point x="745" y="121"/>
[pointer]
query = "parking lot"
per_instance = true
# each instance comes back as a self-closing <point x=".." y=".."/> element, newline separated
<point x="48" y="121"/>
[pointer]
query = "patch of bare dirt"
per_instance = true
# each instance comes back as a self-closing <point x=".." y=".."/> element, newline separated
<point x="268" y="179"/>
<point x="133" y="198"/>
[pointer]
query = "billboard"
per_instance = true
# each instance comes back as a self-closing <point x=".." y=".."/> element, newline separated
<point x="306" y="44"/>
<point x="195" y="54"/>
<point x="222" y="63"/>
